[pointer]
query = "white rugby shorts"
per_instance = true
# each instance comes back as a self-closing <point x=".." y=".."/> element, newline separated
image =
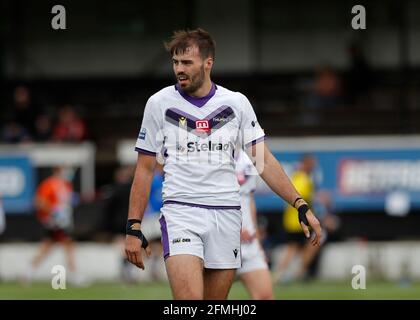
<point x="208" y="233"/>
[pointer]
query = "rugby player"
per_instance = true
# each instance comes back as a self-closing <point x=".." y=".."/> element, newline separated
<point x="196" y="125"/>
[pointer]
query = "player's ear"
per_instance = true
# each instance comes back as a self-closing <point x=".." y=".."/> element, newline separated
<point x="208" y="63"/>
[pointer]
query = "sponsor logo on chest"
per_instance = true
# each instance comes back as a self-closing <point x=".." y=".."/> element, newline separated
<point x="202" y="126"/>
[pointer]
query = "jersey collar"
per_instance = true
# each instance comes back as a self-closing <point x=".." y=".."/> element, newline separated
<point x="198" y="102"/>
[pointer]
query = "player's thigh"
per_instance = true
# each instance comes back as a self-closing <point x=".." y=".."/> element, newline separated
<point x="217" y="283"/>
<point x="185" y="274"/>
<point x="258" y="284"/>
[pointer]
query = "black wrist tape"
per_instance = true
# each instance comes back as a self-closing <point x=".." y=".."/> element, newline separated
<point x="136" y="232"/>
<point x="302" y="213"/>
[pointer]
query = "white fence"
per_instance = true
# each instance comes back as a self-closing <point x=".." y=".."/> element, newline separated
<point x="102" y="262"/>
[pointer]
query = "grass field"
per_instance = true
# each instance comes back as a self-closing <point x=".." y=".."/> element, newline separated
<point x="158" y="291"/>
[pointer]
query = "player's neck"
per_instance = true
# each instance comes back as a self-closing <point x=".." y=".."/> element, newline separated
<point x="203" y="91"/>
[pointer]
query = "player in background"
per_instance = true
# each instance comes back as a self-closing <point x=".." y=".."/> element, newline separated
<point x="304" y="182"/>
<point x="151" y="225"/>
<point x="54" y="205"/>
<point x="197" y="125"/>
<point x="254" y="272"/>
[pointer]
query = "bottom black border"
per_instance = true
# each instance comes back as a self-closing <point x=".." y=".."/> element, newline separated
<point x="231" y="309"/>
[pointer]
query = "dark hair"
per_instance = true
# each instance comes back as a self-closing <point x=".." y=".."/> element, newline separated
<point x="183" y="39"/>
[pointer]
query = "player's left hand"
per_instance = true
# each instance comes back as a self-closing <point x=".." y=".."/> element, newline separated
<point x="313" y="222"/>
<point x="307" y="219"/>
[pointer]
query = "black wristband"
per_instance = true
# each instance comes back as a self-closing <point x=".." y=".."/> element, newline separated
<point x="136" y="232"/>
<point x="130" y="222"/>
<point x="302" y="214"/>
<point x="296" y="200"/>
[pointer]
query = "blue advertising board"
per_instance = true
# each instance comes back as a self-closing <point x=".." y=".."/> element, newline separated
<point x="357" y="179"/>
<point x="17" y="183"/>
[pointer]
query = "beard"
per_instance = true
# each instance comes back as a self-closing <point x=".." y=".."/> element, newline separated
<point x="196" y="81"/>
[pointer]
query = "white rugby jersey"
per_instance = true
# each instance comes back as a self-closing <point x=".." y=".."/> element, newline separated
<point x="247" y="179"/>
<point x="197" y="137"/>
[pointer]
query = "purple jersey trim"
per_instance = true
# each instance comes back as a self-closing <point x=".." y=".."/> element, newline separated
<point x="142" y="151"/>
<point x="165" y="241"/>
<point x="197" y="101"/>
<point x="254" y="142"/>
<point x="200" y="205"/>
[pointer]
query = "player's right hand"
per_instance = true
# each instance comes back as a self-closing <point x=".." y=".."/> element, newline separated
<point x="133" y="246"/>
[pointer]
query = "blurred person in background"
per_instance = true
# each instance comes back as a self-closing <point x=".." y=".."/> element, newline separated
<point x="296" y="245"/>
<point x="254" y="272"/>
<point x="54" y="205"/>
<point x="13" y="132"/>
<point x="69" y="127"/>
<point x="43" y="128"/>
<point x="24" y="111"/>
<point x="325" y="91"/>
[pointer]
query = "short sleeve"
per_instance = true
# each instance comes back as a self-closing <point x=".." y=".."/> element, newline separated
<point x="250" y="130"/>
<point x="148" y="140"/>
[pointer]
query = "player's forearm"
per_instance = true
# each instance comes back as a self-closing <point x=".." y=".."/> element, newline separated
<point x="275" y="177"/>
<point x="139" y="196"/>
<point x="140" y="191"/>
